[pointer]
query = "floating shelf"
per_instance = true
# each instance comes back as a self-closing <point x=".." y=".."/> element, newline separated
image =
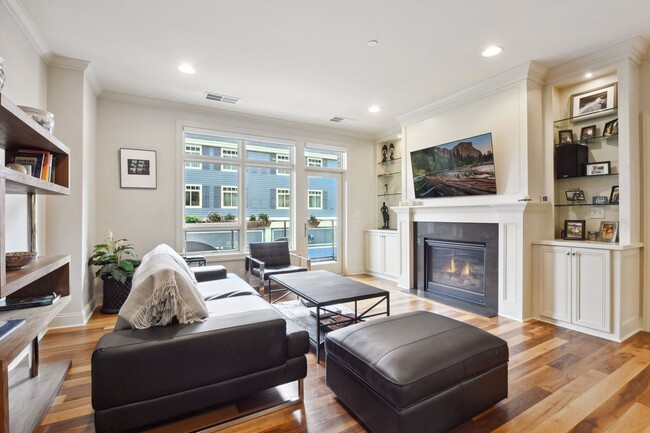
<point x="19" y="183"/>
<point x="395" y="173"/>
<point x="389" y="194"/>
<point x="585" y="204"/>
<point x="585" y="118"/>
<point x="600" y="176"/>
<point x="591" y="140"/>
<point x="390" y="161"/>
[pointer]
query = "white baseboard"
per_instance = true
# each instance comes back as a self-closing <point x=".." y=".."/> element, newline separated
<point x="66" y="320"/>
<point x="356" y="271"/>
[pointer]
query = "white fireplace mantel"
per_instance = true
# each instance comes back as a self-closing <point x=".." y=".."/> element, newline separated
<point x="519" y="224"/>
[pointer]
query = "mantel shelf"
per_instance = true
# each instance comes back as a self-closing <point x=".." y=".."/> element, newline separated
<point x="19" y="183"/>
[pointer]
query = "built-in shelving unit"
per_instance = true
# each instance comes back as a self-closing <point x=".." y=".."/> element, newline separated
<point x="26" y="394"/>
<point x="389" y="180"/>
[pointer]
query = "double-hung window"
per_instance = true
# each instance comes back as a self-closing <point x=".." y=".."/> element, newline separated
<point x="193" y="149"/>
<point x="229" y="153"/>
<point x="193" y="196"/>
<point x="229" y="197"/>
<point x="282" y="198"/>
<point x="315" y="199"/>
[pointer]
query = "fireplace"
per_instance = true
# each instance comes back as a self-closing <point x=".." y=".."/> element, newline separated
<point x="457" y="264"/>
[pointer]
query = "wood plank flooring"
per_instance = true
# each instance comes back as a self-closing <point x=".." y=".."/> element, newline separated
<point x="559" y="380"/>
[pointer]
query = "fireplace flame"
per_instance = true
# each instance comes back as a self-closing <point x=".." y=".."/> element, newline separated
<point x="466" y="270"/>
<point x="452" y="266"/>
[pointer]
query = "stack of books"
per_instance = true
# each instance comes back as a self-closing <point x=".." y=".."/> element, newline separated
<point x="40" y="162"/>
<point x="15" y="303"/>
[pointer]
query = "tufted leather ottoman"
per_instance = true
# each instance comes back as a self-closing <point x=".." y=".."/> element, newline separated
<point x="416" y="372"/>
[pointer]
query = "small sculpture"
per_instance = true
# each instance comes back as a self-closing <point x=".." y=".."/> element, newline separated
<point x="391" y="151"/>
<point x="384" y="153"/>
<point x="385" y="215"/>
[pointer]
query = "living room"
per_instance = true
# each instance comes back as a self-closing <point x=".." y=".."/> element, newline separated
<point x="107" y="99"/>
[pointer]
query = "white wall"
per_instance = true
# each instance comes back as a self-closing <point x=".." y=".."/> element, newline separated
<point x="149" y="217"/>
<point x="25" y="84"/>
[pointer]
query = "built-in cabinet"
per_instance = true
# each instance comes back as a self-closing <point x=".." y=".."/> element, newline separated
<point x="28" y="391"/>
<point x="383" y="253"/>
<point x="389" y="181"/>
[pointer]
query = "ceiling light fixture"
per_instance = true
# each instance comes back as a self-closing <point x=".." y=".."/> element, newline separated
<point x="374" y="109"/>
<point x="186" y="68"/>
<point x="589" y="75"/>
<point x="373" y="43"/>
<point x="492" y="51"/>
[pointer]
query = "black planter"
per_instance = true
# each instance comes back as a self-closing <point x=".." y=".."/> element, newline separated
<point x="115" y="293"/>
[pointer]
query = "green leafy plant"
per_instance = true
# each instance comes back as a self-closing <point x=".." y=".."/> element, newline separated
<point x="313" y="219"/>
<point x="252" y="218"/>
<point x="116" y="259"/>
<point x="263" y="217"/>
<point x="215" y="217"/>
<point x="229" y="217"/>
<point x="193" y="219"/>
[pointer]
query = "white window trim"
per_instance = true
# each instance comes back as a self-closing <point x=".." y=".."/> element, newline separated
<point x="199" y="190"/>
<point x="232" y="189"/>
<point x="198" y="150"/>
<point x="314" y="162"/>
<point x="283" y="159"/>
<point x="314" y="192"/>
<point x="229" y="153"/>
<point x="281" y="192"/>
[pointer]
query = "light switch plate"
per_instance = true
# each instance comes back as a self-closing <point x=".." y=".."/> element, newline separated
<point x="597" y="212"/>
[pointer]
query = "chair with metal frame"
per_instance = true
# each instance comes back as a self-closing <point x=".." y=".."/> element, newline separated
<point x="272" y="258"/>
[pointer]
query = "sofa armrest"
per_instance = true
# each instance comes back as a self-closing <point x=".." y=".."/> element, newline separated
<point x="160" y="361"/>
<point x="297" y="340"/>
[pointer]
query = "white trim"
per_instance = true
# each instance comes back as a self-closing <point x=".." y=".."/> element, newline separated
<point x="235" y="189"/>
<point x="200" y="191"/>
<point x="197" y="151"/>
<point x="277" y="197"/>
<point x="316" y="193"/>
<point x="67" y="320"/>
<point x="29" y="29"/>
<point x="232" y="154"/>
<point x="313" y="161"/>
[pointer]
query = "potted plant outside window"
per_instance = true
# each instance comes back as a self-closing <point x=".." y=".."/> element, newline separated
<point x="312" y="221"/>
<point x="117" y="262"/>
<point x="260" y="221"/>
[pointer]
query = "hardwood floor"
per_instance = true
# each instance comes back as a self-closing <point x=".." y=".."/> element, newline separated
<point x="559" y="380"/>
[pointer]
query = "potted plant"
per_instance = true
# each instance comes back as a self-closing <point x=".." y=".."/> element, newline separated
<point x="215" y="217"/>
<point x="259" y="221"/>
<point x="117" y="262"/>
<point x="312" y="221"/>
<point x="229" y="217"/>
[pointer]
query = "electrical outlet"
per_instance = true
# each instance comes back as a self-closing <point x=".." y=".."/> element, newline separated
<point x="597" y="212"/>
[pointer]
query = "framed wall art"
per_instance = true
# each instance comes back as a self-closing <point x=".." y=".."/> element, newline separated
<point x="575" y="230"/>
<point x="566" y="136"/>
<point x="588" y="132"/>
<point x="138" y="168"/>
<point x="613" y="196"/>
<point x="595" y="100"/>
<point x="611" y="128"/>
<point x="598" y="168"/>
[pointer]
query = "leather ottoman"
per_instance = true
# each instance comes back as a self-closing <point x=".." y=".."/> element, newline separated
<point x="416" y="372"/>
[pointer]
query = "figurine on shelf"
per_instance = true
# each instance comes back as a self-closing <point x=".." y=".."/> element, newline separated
<point x="384" y="214"/>
<point x="385" y="189"/>
<point x="391" y="151"/>
<point x="384" y="153"/>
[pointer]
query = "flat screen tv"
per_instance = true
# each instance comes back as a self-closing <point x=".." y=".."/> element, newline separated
<point x="460" y="168"/>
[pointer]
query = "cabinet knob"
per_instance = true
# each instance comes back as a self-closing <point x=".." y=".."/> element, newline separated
<point x="568" y="253"/>
<point x="573" y="253"/>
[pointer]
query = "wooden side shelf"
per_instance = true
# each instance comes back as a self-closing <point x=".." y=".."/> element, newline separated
<point x="18" y="183"/>
<point x="43" y="276"/>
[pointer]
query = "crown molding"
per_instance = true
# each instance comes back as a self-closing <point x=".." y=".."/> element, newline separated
<point x="633" y="50"/>
<point x="24" y="21"/>
<point x="78" y="65"/>
<point x="388" y="134"/>
<point x="298" y="127"/>
<point x="497" y="84"/>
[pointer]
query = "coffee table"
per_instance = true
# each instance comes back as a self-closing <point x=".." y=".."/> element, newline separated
<point x="323" y="289"/>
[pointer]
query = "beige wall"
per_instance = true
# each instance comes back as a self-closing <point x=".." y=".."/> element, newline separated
<point x="149" y="217"/>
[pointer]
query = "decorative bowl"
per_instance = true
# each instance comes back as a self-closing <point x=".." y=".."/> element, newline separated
<point x="19" y="259"/>
<point x="42" y="117"/>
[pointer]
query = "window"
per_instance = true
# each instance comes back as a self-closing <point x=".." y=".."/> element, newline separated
<point x="284" y="159"/>
<point x="193" y="196"/>
<point x="314" y="162"/>
<point x="315" y="199"/>
<point x="282" y="198"/>
<point x="193" y="149"/>
<point x="229" y="197"/>
<point x="229" y="153"/>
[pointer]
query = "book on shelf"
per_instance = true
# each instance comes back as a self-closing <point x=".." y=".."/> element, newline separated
<point x="15" y="303"/>
<point x="7" y="326"/>
<point x="42" y="162"/>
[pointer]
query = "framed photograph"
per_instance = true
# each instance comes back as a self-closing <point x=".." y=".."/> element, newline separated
<point x="608" y="231"/>
<point x="138" y="168"/>
<point x="598" y="168"/>
<point x="592" y="236"/>
<point x="575" y="196"/>
<point x="595" y="100"/>
<point x="575" y="230"/>
<point x="611" y="128"/>
<point x="588" y="132"/>
<point x="613" y="196"/>
<point x="566" y="136"/>
<point x="599" y="199"/>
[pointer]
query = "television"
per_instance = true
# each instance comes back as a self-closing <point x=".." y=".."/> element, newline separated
<point x="460" y="168"/>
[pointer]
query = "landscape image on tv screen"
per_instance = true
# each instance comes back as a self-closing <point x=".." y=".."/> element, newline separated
<point x="463" y="167"/>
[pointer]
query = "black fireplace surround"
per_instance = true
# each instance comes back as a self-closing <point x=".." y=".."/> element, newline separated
<point x="457" y="264"/>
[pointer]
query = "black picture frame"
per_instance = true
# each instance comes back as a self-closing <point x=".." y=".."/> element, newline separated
<point x="565" y="136"/>
<point x="610" y="128"/>
<point x="599" y="199"/>
<point x="602" y="168"/>
<point x="575" y="230"/>
<point x="588" y="132"/>
<point x="613" y="196"/>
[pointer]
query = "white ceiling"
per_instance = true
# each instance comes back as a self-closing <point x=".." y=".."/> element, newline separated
<point x="308" y="60"/>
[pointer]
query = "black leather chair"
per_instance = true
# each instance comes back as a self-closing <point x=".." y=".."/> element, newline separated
<point x="272" y="258"/>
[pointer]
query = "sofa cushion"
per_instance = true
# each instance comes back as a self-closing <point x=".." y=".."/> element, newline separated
<point x="163" y="289"/>
<point x="225" y="288"/>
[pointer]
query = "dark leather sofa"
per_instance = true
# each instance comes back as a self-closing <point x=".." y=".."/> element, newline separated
<point x="150" y="376"/>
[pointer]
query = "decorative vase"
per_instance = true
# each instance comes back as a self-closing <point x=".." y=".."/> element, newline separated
<point x="115" y="293"/>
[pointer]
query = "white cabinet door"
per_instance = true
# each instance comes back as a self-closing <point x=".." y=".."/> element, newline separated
<point x="591" y="288"/>
<point x="392" y="255"/>
<point x="374" y="252"/>
<point x="555" y="282"/>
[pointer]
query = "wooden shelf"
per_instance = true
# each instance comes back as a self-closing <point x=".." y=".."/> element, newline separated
<point x="42" y="267"/>
<point x="19" y="183"/>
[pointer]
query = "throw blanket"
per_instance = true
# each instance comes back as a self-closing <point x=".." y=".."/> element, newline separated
<point x="163" y="289"/>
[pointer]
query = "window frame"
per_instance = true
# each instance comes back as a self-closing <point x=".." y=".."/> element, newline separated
<point x="313" y="161"/>
<point x="285" y="196"/>
<point x="223" y="194"/>
<point x="234" y="154"/>
<point x="310" y="194"/>
<point x="199" y="190"/>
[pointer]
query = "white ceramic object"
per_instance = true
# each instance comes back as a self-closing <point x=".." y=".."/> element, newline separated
<point x="18" y="167"/>
<point x="42" y="117"/>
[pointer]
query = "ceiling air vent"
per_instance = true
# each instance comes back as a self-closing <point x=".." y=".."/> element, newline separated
<point x="222" y="98"/>
<point x="341" y="119"/>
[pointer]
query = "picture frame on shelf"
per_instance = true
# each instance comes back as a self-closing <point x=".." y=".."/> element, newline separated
<point x="613" y="196"/>
<point x="602" y="168"/>
<point x="599" y="199"/>
<point x="138" y="168"/>
<point x="592" y="236"/>
<point x="608" y="231"/>
<point x="566" y="136"/>
<point x="575" y="196"/>
<point x="588" y="132"/>
<point x="611" y="128"/>
<point x="592" y="101"/>
<point x="575" y="230"/>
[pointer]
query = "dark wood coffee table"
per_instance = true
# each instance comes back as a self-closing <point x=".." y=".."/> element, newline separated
<point x="323" y="289"/>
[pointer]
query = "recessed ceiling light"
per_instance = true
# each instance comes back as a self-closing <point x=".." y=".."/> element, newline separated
<point x="186" y="68"/>
<point x="492" y="51"/>
<point x="374" y="109"/>
<point x="589" y="75"/>
<point x="373" y="43"/>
